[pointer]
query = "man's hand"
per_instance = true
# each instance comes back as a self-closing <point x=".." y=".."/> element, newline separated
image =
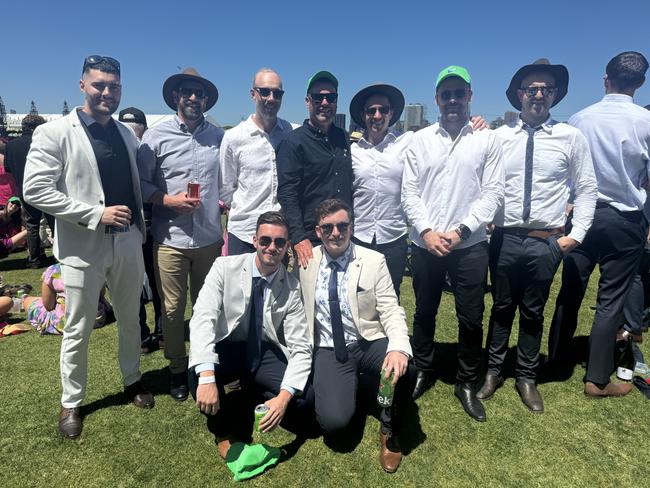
<point x="567" y="244"/>
<point x="436" y="243"/>
<point x="479" y="123"/>
<point x="452" y="238"/>
<point x="207" y="397"/>
<point x="277" y="409"/>
<point x="395" y="361"/>
<point x="117" y="216"/>
<point x="181" y="203"/>
<point x="304" y="252"/>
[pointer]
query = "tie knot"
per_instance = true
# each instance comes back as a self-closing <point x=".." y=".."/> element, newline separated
<point x="335" y="266"/>
<point x="531" y="130"/>
<point x="258" y="282"/>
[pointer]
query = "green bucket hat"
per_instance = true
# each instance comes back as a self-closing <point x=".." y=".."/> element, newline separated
<point x="249" y="460"/>
<point x="453" y="70"/>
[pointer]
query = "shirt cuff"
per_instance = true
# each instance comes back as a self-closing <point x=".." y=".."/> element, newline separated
<point x="289" y="389"/>
<point x="200" y="368"/>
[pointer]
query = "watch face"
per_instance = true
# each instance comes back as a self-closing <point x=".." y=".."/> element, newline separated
<point x="464" y="232"/>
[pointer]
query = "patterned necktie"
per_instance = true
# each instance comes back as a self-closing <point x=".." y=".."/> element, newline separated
<point x="255" y="324"/>
<point x="340" y="351"/>
<point x="528" y="171"/>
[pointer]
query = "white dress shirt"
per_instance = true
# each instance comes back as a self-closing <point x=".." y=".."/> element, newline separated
<point x="450" y="182"/>
<point x="618" y="134"/>
<point x="250" y="181"/>
<point x="323" y="323"/>
<point x="377" y="188"/>
<point x="560" y="159"/>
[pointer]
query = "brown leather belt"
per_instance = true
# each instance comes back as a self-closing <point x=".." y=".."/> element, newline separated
<point x="539" y="233"/>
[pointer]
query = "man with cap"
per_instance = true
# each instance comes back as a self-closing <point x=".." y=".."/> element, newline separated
<point x="179" y="169"/>
<point x="618" y="135"/>
<point x="313" y="164"/>
<point x="82" y="170"/>
<point x="451" y="188"/>
<point x="134" y="118"/>
<point x="543" y="160"/>
<point x="250" y="181"/>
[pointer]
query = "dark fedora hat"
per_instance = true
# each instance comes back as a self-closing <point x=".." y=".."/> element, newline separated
<point x="173" y="81"/>
<point x="543" y="65"/>
<point x="394" y="96"/>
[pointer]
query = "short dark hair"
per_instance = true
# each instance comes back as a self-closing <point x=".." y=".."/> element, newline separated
<point x="30" y="122"/>
<point x="627" y="70"/>
<point x="272" y="218"/>
<point x="104" y="64"/>
<point x="647" y="107"/>
<point x="330" y="206"/>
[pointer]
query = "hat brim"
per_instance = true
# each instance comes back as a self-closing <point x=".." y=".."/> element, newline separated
<point x="395" y="97"/>
<point x="558" y="71"/>
<point x="173" y="81"/>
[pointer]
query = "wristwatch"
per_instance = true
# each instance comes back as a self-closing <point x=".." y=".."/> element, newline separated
<point x="463" y="232"/>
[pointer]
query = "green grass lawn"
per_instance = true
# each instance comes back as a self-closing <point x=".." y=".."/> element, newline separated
<point x="576" y="442"/>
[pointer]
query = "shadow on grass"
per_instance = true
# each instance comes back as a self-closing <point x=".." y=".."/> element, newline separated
<point x="16" y="263"/>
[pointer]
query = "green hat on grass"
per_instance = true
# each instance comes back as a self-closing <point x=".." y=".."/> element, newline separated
<point x="453" y="70"/>
<point x="247" y="461"/>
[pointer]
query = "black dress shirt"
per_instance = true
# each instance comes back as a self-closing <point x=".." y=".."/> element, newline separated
<point x="312" y="166"/>
<point x="15" y="158"/>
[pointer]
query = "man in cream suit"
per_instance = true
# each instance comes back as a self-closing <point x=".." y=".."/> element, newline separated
<point x="358" y="327"/>
<point x="249" y="324"/>
<point x="81" y="169"/>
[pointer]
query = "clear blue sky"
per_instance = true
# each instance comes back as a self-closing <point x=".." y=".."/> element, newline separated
<point x="405" y="43"/>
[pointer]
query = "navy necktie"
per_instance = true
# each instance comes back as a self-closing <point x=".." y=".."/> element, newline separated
<point x="340" y="351"/>
<point x="528" y="171"/>
<point x="255" y="324"/>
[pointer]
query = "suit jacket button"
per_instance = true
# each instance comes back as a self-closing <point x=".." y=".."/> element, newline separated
<point x="101" y="202"/>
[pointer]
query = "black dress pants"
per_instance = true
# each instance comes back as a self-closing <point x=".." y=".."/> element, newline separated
<point x="467" y="270"/>
<point x="33" y="225"/>
<point x="614" y="242"/>
<point x="522" y="270"/>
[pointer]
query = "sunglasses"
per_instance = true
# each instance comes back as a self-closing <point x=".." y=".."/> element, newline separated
<point x="327" y="229"/>
<point x="188" y="92"/>
<point x="266" y="92"/>
<point x="382" y="110"/>
<point x="265" y="241"/>
<point x="95" y="59"/>
<point x="531" y="91"/>
<point x="319" y="97"/>
<point x="458" y="94"/>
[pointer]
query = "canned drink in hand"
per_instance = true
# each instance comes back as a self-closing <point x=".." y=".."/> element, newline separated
<point x="386" y="389"/>
<point x="194" y="189"/>
<point x="260" y="411"/>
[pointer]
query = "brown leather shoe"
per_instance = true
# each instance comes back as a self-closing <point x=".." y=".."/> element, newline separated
<point x="70" y="422"/>
<point x="491" y="384"/>
<point x="610" y="389"/>
<point x="530" y="396"/>
<point x="139" y="395"/>
<point x="390" y="454"/>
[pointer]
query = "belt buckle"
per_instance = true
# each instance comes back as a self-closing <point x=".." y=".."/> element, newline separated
<point x="112" y="229"/>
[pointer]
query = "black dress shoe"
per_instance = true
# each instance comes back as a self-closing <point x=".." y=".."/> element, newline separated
<point x="137" y="394"/>
<point x="70" y="422"/>
<point x="178" y="386"/>
<point x="472" y="405"/>
<point x="422" y="383"/>
<point x="492" y="383"/>
<point x="530" y="396"/>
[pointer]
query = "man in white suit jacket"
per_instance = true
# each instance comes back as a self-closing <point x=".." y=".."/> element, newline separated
<point x="249" y="324"/>
<point x="358" y="327"/>
<point x="82" y="170"/>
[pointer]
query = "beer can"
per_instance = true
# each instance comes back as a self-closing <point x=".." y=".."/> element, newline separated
<point x="194" y="189"/>
<point x="386" y="389"/>
<point x="260" y="411"/>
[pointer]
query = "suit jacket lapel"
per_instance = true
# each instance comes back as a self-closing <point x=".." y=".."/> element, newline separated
<point x="354" y="273"/>
<point x="82" y="137"/>
<point x="311" y="276"/>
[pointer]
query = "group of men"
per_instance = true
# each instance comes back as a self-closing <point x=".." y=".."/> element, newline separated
<point x="301" y="341"/>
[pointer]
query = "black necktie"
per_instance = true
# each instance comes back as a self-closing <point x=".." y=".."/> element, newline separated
<point x="528" y="171"/>
<point x="340" y="351"/>
<point x="255" y="324"/>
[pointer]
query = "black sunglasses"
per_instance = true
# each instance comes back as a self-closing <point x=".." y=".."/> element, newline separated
<point x="327" y="229"/>
<point x="266" y="92"/>
<point x="382" y="110"/>
<point x="265" y="241"/>
<point x="319" y="97"/>
<point x="531" y="91"/>
<point x="458" y="94"/>
<point x="188" y="92"/>
<point x="95" y="59"/>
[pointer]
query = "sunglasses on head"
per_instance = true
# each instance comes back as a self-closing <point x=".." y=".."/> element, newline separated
<point x="383" y="109"/>
<point x="96" y="59"/>
<point x="188" y="92"/>
<point x="265" y="241"/>
<point x="266" y="92"/>
<point x="319" y="97"/>
<point x="531" y="91"/>
<point x="327" y="229"/>
<point x="458" y="94"/>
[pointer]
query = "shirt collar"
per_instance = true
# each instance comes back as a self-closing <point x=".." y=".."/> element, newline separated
<point x="342" y="260"/>
<point x="467" y="128"/>
<point x="183" y="127"/>
<point x="388" y="138"/>
<point x="256" y="272"/>
<point x="88" y="120"/>
<point x="253" y="128"/>
<point x="316" y="131"/>
<point x="547" y="125"/>
<point x="618" y="97"/>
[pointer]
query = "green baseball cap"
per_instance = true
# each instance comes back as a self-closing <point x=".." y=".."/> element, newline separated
<point x="453" y="70"/>
<point x="323" y="75"/>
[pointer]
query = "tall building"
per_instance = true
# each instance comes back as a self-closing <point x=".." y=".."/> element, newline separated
<point x="413" y="116"/>
<point x="510" y="117"/>
<point x="339" y="121"/>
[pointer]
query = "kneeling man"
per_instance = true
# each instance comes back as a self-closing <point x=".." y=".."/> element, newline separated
<point x="249" y="324"/>
<point x="359" y="328"/>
